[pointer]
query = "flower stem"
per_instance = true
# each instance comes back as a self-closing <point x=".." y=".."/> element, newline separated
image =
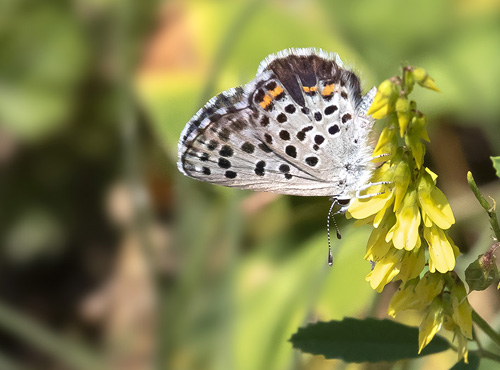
<point x="490" y="209"/>
<point x="490" y="355"/>
<point x="479" y="321"/>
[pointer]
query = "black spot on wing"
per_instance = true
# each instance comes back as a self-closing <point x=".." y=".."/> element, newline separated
<point x="290" y="108"/>
<point x="331" y="109"/>
<point x="291" y="151"/>
<point x="248" y="147"/>
<point x="281" y="118"/>
<point x="284" y="135"/>
<point x="346" y="117"/>
<point x="212" y="145"/>
<point x="318" y="139"/>
<point x="224" y="163"/>
<point x="226" y="151"/>
<point x="312" y="161"/>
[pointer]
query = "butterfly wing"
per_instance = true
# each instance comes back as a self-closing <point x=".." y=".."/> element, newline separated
<point x="299" y="128"/>
<point x="223" y="148"/>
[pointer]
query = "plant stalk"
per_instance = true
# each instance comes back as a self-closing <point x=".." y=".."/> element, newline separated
<point x="489" y="355"/>
<point x="480" y="322"/>
<point x="490" y="209"/>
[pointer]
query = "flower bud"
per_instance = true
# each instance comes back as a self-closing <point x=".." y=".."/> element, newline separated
<point x="384" y="100"/>
<point x="403" y="112"/>
<point x="424" y="80"/>
<point x="409" y="80"/>
<point x="418" y="127"/>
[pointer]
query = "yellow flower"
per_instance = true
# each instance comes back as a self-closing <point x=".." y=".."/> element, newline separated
<point x="408" y="211"/>
<point x="462" y="311"/>
<point x="423" y="79"/>
<point x="458" y="314"/>
<point x="403" y="113"/>
<point x="363" y="208"/>
<point x="384" y="100"/>
<point x="418" y="127"/>
<point x="434" y="203"/>
<point x="377" y="247"/>
<point x="412" y="265"/>
<point x="404" y="234"/>
<point x="416" y="294"/>
<point x="374" y="208"/>
<point x="404" y="298"/>
<point x="385" y="270"/>
<point x="401" y="179"/>
<point x="429" y="287"/>
<point x="441" y="254"/>
<point x="431" y="323"/>
<point x="417" y="148"/>
<point x="387" y="143"/>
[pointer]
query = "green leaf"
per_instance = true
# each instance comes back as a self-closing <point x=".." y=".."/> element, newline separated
<point x="496" y="164"/>
<point x="72" y="353"/>
<point x="482" y="272"/>
<point x="368" y="340"/>
<point x="472" y="365"/>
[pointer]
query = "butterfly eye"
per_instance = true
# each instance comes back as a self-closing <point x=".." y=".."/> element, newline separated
<point x="343" y="202"/>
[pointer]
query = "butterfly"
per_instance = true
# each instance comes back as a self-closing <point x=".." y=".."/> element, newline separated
<point x="300" y="127"/>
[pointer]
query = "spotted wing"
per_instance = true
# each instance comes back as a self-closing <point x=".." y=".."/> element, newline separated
<point x="223" y="147"/>
<point x="298" y="128"/>
<point x="314" y="115"/>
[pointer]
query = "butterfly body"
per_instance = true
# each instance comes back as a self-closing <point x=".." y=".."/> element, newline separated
<point x="299" y="127"/>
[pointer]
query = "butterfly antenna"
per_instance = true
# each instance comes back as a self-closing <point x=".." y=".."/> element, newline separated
<point x="330" y="256"/>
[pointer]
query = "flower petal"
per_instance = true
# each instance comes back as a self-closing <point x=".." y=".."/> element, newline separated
<point x="441" y="255"/>
<point x="431" y="323"/>
<point x="434" y="203"/>
<point x="405" y="231"/>
<point x="387" y="143"/>
<point x="362" y="208"/>
<point x="404" y="298"/>
<point x="412" y="265"/>
<point x="377" y="247"/>
<point x="401" y="180"/>
<point x="384" y="271"/>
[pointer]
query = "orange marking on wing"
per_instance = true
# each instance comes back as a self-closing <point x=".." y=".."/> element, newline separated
<point x="328" y="90"/>
<point x="266" y="101"/>
<point x="277" y="90"/>
<point x="309" y="89"/>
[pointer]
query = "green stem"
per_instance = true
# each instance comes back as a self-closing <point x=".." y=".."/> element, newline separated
<point x="479" y="321"/>
<point x="490" y="209"/>
<point x="70" y="353"/>
<point x="490" y="355"/>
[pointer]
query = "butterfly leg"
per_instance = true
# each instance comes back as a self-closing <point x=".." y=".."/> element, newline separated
<point x="380" y="156"/>
<point x="369" y="185"/>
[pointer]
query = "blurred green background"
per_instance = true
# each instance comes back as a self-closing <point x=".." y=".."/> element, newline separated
<point x="110" y="258"/>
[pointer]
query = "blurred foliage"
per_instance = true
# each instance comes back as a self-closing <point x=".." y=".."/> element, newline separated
<point x="43" y="56"/>
<point x="236" y="273"/>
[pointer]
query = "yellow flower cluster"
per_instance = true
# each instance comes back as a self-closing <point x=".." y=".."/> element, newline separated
<point x="411" y="217"/>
